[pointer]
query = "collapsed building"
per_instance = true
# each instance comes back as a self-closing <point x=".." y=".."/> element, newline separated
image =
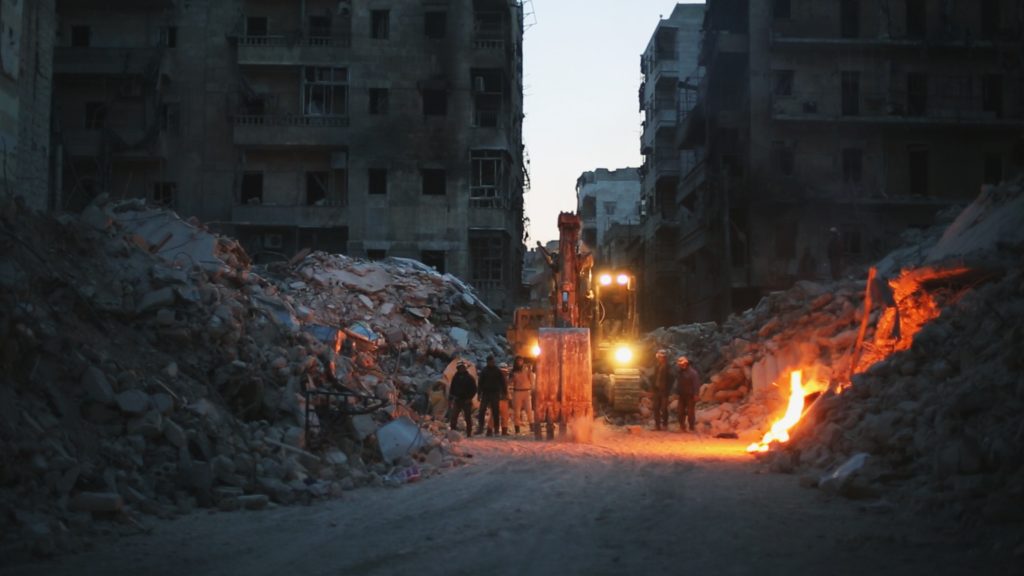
<point x="369" y="130"/>
<point x="148" y="368"/>
<point x="911" y="377"/>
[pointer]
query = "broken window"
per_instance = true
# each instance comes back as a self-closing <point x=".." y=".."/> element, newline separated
<point x="993" y="169"/>
<point x="783" y="82"/>
<point x="916" y="18"/>
<point x="435" y="24"/>
<point x="849" y="19"/>
<point x="378" y="100"/>
<point x="252" y="188"/>
<point x="488" y="88"/>
<point x="850" y="93"/>
<point x="609" y="208"/>
<point x="781" y="9"/>
<point x="319" y="26"/>
<point x="376" y="254"/>
<point x="434" y="259"/>
<point x="853" y="168"/>
<point x="487" y="177"/>
<point x="989" y="18"/>
<point x="782" y="154"/>
<point x="487" y="257"/>
<point x="917" y="94"/>
<point x="170" y="118"/>
<point x="81" y="36"/>
<point x="992" y="94"/>
<point x="488" y="20"/>
<point x="380" y="24"/>
<point x="435" y="181"/>
<point x="785" y="240"/>
<point x="256" y="26"/>
<point x="325" y="91"/>
<point x="918" y="166"/>
<point x="165" y="193"/>
<point x="170" y="36"/>
<point x="95" y="115"/>
<point x="435" y="102"/>
<point x="317" y="186"/>
<point x="377" y="179"/>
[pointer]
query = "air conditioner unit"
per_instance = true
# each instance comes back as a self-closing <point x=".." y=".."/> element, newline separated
<point x="273" y="241"/>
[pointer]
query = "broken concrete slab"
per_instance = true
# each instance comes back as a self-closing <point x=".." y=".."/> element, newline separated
<point x="399" y="438"/>
<point x="133" y="401"/>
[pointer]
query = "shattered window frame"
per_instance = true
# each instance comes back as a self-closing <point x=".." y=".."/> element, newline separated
<point x="487" y="257"/>
<point x="251" y="190"/>
<point x="377" y="181"/>
<point x="380" y="24"/>
<point x="379" y="101"/>
<point x="324" y="91"/>
<point x="165" y="194"/>
<point x="436" y="259"/>
<point x="318" y="186"/>
<point x="435" y="24"/>
<point x="488" y="171"/>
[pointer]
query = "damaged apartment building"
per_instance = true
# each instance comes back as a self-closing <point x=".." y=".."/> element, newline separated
<point x="869" y="116"/>
<point x="607" y="202"/>
<point x="669" y="61"/>
<point x="371" y="128"/>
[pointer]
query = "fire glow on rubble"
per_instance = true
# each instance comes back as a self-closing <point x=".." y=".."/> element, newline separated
<point x="780" y="429"/>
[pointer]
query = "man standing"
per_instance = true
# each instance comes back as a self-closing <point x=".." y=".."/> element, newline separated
<point x="522" y="391"/>
<point x="662" y="383"/>
<point x="460" y="396"/>
<point x="688" y="384"/>
<point x="492" y="381"/>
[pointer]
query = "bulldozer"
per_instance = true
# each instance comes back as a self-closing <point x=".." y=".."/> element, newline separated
<point x="598" y="306"/>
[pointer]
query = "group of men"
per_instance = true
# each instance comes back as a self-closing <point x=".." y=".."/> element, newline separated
<point x="687" y="382"/>
<point x="494" y="394"/>
<point x="498" y="388"/>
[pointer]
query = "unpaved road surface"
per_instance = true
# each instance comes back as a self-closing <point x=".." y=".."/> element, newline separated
<point x="634" y="502"/>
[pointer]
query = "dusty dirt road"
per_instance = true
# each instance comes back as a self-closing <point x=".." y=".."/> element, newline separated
<point x="637" y="502"/>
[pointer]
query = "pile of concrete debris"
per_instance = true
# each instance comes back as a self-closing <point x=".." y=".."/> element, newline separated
<point x="918" y="369"/>
<point x="148" y="368"/>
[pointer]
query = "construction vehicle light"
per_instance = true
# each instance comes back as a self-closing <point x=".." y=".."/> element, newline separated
<point x="623" y="354"/>
<point x="605" y="279"/>
<point x="535" y="350"/>
<point x="622" y="279"/>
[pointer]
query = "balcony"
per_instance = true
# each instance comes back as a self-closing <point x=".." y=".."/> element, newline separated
<point x="282" y="130"/>
<point x="88" y="61"/>
<point x="891" y="109"/>
<point x="784" y="41"/>
<point x="279" y="215"/>
<point x="292" y="51"/>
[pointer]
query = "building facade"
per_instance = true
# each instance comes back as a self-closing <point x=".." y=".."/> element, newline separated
<point x="864" y="115"/>
<point x="364" y="127"/>
<point x="605" y="198"/>
<point x="669" y="59"/>
<point x="26" y="56"/>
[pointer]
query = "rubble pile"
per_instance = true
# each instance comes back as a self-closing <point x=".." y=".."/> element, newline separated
<point x="929" y="408"/>
<point x="148" y="368"/>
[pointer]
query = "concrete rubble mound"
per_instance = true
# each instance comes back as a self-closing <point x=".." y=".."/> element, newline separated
<point x="148" y="368"/>
<point x="928" y="410"/>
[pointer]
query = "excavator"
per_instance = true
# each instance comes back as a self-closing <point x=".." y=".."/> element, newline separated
<point x="601" y="301"/>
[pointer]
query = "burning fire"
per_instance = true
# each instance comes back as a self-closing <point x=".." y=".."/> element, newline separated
<point x="780" y="429"/>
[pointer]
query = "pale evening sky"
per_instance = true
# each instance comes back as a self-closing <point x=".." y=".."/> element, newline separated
<point x="581" y="76"/>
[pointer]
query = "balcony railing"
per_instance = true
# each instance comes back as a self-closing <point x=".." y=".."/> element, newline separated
<point x="266" y="130"/>
<point x="894" y="108"/>
<point x="290" y="120"/>
<point x="291" y="50"/>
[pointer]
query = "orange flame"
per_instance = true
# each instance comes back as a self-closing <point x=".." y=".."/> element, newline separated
<point x="780" y="429"/>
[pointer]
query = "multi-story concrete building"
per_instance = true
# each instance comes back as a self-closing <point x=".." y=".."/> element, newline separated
<point x="605" y="198"/>
<point x="368" y="127"/>
<point x="26" y="57"/>
<point x="865" y="115"/>
<point x="670" y="58"/>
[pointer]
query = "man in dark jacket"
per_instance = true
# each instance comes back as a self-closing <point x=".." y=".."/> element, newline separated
<point x="460" y="397"/>
<point x="688" y="385"/>
<point x="492" y="385"/>
<point x="659" y="390"/>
